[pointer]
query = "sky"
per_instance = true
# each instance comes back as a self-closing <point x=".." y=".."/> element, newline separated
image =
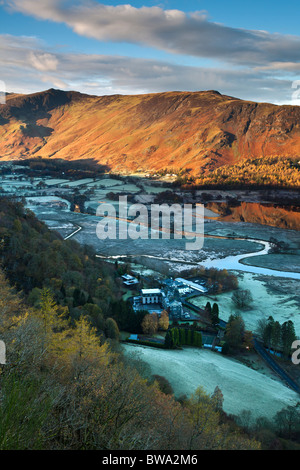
<point x="250" y="50"/>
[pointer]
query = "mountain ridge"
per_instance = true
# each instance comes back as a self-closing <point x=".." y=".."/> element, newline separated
<point x="197" y="131"/>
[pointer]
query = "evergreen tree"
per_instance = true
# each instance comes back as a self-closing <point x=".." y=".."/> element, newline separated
<point x="175" y="336"/>
<point x="218" y="398"/>
<point x="276" y="335"/>
<point x="111" y="329"/>
<point x="188" y="337"/>
<point x="208" y="307"/>
<point x="267" y="334"/>
<point x="182" y="336"/>
<point x="169" y="340"/>
<point x="234" y="334"/>
<point x="288" y="336"/>
<point x="197" y="339"/>
<point x="215" y="314"/>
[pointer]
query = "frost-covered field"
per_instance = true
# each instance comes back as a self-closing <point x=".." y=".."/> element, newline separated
<point x="14" y="186"/>
<point x="78" y="182"/>
<point x="32" y="201"/>
<point x="105" y="183"/>
<point x="242" y="387"/>
<point x="254" y="231"/>
<point x="125" y="188"/>
<point x="153" y="189"/>
<point x="282" y="262"/>
<point x="282" y="306"/>
<point x="54" y="182"/>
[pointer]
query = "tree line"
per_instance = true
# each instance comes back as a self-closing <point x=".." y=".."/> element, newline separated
<point x="253" y="173"/>
<point x="276" y="336"/>
<point x="176" y="337"/>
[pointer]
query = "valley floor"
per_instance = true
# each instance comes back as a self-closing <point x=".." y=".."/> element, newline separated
<point x="260" y="392"/>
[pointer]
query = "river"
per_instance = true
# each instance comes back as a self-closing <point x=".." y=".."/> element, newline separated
<point x="232" y="263"/>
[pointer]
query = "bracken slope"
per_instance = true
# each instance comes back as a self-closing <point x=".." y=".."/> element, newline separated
<point x="200" y="131"/>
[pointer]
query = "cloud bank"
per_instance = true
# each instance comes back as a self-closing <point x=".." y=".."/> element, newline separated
<point x="254" y="65"/>
<point x="169" y="30"/>
<point x="27" y="67"/>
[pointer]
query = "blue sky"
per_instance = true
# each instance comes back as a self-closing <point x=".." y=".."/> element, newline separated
<point x="251" y="50"/>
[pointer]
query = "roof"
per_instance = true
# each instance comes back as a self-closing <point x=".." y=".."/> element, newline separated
<point x="191" y="284"/>
<point x="175" y="303"/>
<point x="128" y="277"/>
<point x="150" y="291"/>
<point x="135" y="337"/>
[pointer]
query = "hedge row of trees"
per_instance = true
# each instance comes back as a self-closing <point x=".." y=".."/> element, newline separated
<point x="277" y="336"/>
<point x="176" y="337"/>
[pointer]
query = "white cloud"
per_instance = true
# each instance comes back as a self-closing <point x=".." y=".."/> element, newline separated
<point x="56" y="82"/>
<point x="170" y="30"/>
<point x="44" y="62"/>
<point x="254" y="65"/>
<point x="102" y="74"/>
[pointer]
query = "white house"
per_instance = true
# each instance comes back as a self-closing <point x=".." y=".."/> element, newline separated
<point x="151" y="296"/>
<point x="129" y="280"/>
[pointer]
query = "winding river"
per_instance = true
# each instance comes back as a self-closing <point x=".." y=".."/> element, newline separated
<point x="232" y="263"/>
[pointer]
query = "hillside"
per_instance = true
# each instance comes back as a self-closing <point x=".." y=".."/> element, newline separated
<point x="255" y="213"/>
<point x="201" y="131"/>
<point x="66" y="384"/>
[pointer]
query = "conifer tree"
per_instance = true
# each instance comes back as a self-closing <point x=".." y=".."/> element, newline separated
<point x="288" y="336"/>
<point x="169" y="340"/>
<point x="215" y="314"/>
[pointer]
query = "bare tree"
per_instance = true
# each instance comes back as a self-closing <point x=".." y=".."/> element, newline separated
<point x="242" y="298"/>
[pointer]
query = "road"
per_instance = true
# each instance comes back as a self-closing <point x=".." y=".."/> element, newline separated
<point x="274" y="366"/>
<point x="73" y="233"/>
<point x="267" y="357"/>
